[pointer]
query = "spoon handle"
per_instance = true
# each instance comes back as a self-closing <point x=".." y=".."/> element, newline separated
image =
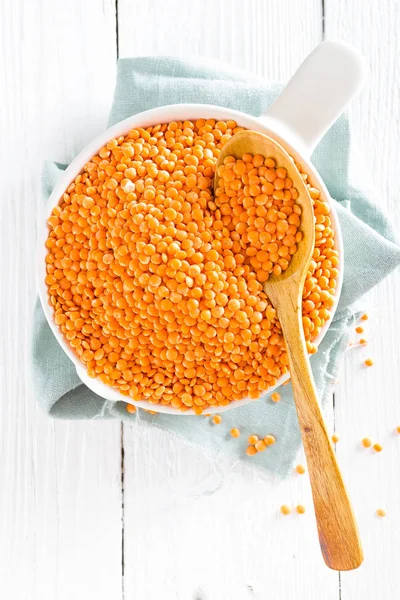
<point x="337" y="528"/>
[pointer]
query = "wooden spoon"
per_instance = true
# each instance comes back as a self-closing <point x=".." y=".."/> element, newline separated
<point x="337" y="529"/>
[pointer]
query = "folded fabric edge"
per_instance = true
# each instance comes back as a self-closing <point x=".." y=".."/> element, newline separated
<point x="192" y="67"/>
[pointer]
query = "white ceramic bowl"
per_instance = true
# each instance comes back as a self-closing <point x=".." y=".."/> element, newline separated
<point x="298" y="120"/>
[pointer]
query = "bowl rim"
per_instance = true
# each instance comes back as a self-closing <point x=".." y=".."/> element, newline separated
<point x="166" y="114"/>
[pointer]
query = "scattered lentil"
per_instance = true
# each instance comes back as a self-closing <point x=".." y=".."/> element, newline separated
<point x="381" y="512"/>
<point x="275" y="397"/>
<point x="253" y="439"/>
<point x="360" y="329"/>
<point x="217" y="419"/>
<point x="251" y="450"/>
<point x="377" y="447"/>
<point x="260" y="446"/>
<point x="335" y="438"/>
<point x="369" y="362"/>
<point x="131" y="408"/>
<point x="235" y="432"/>
<point x="364" y="317"/>
<point x="300" y="509"/>
<point x="363" y="341"/>
<point x="269" y="440"/>
<point x="300" y="469"/>
<point x="285" y="509"/>
<point x="366" y="442"/>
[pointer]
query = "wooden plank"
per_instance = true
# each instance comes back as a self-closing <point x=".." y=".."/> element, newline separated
<point x="60" y="499"/>
<point x="183" y="541"/>
<point x="180" y="541"/>
<point x="367" y="399"/>
<point x="269" y="38"/>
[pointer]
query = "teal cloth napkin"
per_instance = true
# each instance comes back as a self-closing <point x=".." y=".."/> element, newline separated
<point x="370" y="245"/>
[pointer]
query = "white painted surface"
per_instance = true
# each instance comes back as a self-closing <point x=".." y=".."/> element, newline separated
<point x="60" y="492"/>
<point x="367" y="400"/>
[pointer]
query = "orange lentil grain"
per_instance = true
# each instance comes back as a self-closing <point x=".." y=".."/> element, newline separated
<point x="260" y="446"/>
<point x="366" y="442"/>
<point x="131" y="408"/>
<point x="251" y="450"/>
<point x="377" y="447"/>
<point x="300" y="509"/>
<point x="360" y="329"/>
<point x="275" y="397"/>
<point x="363" y="341"/>
<point x="335" y="438"/>
<point x="369" y="362"/>
<point x="217" y="419"/>
<point x="235" y="432"/>
<point x="252" y="439"/>
<point x="285" y="509"/>
<point x="269" y="440"/>
<point x="381" y="512"/>
<point x="364" y="317"/>
<point x="156" y="282"/>
<point x="300" y="469"/>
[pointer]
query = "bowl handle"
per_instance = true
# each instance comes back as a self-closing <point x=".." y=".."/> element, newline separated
<point x="317" y="94"/>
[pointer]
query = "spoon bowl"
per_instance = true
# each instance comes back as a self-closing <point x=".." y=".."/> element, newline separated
<point x="254" y="142"/>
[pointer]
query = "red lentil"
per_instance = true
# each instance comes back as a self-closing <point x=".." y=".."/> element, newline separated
<point x="360" y="329"/>
<point x="269" y="440"/>
<point x="285" y="509"/>
<point x="369" y="362"/>
<point x="364" y="317"/>
<point x="381" y="512"/>
<point x="275" y="397"/>
<point x="300" y="509"/>
<point x="261" y="446"/>
<point x="335" y="438"/>
<point x="300" y="469"/>
<point x="235" y="432"/>
<point x="251" y="450"/>
<point x="366" y="442"/>
<point x="131" y="408"/>
<point x="217" y="419"/>
<point x="157" y="285"/>
<point x="377" y="448"/>
<point x="253" y="439"/>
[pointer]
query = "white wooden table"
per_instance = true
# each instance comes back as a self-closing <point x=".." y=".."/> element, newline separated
<point x="94" y="510"/>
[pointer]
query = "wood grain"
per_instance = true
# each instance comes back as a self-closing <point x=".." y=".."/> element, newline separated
<point x="60" y="494"/>
<point x="367" y="400"/>
<point x="60" y="505"/>
<point x="212" y="541"/>
<point x="337" y="530"/>
<point x="245" y="34"/>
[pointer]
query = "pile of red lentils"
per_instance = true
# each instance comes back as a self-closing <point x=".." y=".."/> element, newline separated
<point x="157" y="284"/>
